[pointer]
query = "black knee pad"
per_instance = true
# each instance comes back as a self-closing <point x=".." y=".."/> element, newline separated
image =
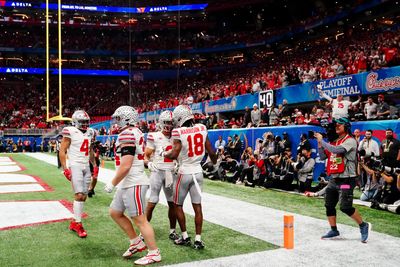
<point x="330" y="211"/>
<point x="348" y="211"/>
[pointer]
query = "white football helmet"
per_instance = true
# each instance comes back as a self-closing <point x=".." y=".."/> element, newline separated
<point x="125" y="116"/>
<point x="181" y="114"/>
<point x="165" y="121"/>
<point x="81" y="120"/>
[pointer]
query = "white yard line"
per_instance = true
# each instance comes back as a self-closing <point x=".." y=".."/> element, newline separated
<point x="267" y="224"/>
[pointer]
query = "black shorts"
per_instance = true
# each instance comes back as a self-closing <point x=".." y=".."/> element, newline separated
<point x="340" y="189"/>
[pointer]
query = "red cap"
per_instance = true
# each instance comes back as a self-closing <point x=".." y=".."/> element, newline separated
<point x="381" y="96"/>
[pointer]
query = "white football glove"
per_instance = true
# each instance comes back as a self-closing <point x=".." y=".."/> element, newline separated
<point x="152" y="167"/>
<point x="162" y="152"/>
<point x="176" y="167"/>
<point x="109" y="187"/>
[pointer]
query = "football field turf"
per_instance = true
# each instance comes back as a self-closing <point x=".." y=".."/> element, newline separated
<point x="54" y="245"/>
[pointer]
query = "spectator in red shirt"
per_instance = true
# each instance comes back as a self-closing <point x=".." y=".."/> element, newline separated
<point x="362" y="62"/>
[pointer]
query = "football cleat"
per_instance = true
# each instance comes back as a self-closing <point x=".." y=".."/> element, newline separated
<point x="198" y="245"/>
<point x="149" y="258"/>
<point x="91" y="193"/>
<point x="139" y="246"/>
<point x="183" y="242"/>
<point x="173" y="236"/>
<point x="78" y="228"/>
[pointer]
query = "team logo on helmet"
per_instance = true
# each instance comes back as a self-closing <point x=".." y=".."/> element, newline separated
<point x="125" y="116"/>
<point x="181" y="114"/>
<point x="81" y="120"/>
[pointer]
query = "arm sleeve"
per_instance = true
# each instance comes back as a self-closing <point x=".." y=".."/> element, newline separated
<point x="175" y="135"/>
<point x="66" y="133"/>
<point x="150" y="141"/>
<point x="126" y="137"/>
<point x="321" y="153"/>
<point x="321" y="192"/>
<point x="334" y="149"/>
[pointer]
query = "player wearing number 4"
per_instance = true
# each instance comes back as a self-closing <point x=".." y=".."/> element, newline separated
<point x="190" y="141"/>
<point x="133" y="184"/>
<point x="161" y="169"/>
<point x="76" y="144"/>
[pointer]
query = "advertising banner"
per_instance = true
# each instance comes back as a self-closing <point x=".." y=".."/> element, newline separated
<point x="231" y="103"/>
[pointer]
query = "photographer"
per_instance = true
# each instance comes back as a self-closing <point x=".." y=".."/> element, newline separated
<point x="211" y="172"/>
<point x="389" y="193"/>
<point x="341" y="166"/>
<point x="304" y="144"/>
<point x="235" y="147"/>
<point x="367" y="148"/>
<point x="305" y="170"/>
<point x="371" y="185"/>
<point x="286" y="141"/>
<point x="259" y="172"/>
<point x="247" y="161"/>
<point x="269" y="145"/>
<point x="286" y="170"/>
<point x="227" y="165"/>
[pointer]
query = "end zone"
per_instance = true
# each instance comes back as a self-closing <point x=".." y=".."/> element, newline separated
<point x="19" y="214"/>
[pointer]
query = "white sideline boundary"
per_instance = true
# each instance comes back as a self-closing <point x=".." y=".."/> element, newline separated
<point x="267" y="224"/>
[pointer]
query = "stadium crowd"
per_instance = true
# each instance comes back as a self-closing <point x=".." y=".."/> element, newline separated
<point x="361" y="52"/>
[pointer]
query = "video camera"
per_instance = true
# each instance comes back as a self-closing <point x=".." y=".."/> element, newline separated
<point x="330" y="129"/>
<point x="378" y="166"/>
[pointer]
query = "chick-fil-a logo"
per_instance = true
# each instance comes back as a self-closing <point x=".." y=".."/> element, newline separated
<point x="373" y="84"/>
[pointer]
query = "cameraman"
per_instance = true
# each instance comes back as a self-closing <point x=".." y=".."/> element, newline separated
<point x="341" y="166"/>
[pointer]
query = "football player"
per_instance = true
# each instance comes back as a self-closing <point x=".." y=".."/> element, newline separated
<point x="133" y="184"/>
<point x="190" y="142"/>
<point x="94" y="169"/>
<point x="76" y="144"/>
<point x="161" y="169"/>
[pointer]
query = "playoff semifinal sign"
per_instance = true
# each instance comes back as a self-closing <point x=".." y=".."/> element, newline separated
<point x="266" y="99"/>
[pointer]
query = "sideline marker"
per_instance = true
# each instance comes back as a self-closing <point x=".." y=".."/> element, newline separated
<point x="288" y="231"/>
